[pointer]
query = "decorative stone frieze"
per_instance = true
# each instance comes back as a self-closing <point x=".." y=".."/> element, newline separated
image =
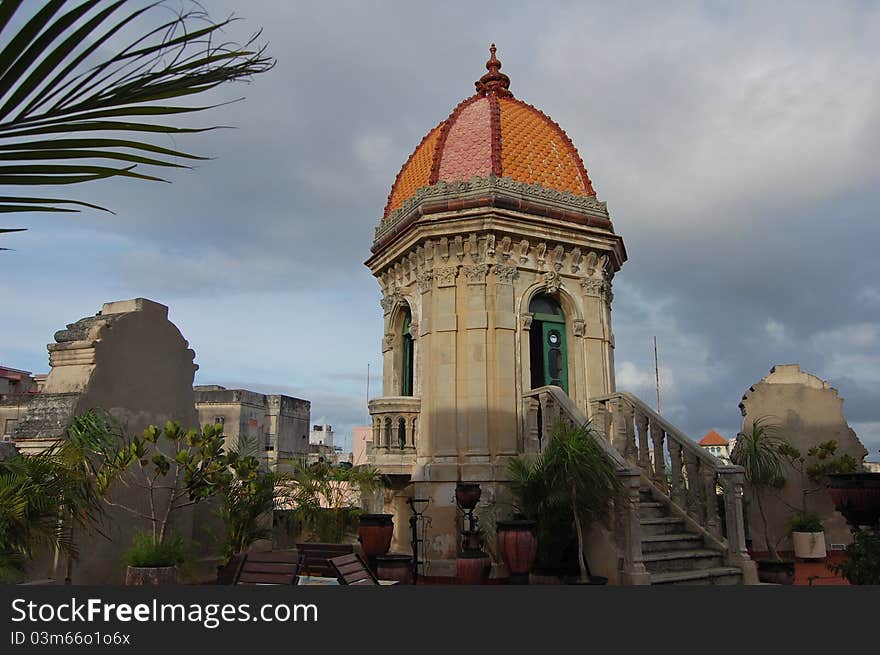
<point x="476" y="274"/>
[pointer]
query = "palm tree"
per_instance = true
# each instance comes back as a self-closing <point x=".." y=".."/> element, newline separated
<point x="42" y="497"/>
<point x="761" y="452"/>
<point x="249" y="497"/>
<point x="85" y="89"/>
<point x="581" y="475"/>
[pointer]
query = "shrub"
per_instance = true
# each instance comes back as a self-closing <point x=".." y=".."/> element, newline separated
<point x="805" y="522"/>
<point x="144" y="551"/>
<point x="862" y="565"/>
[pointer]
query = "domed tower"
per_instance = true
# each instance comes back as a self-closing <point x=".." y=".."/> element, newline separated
<point x="495" y="260"/>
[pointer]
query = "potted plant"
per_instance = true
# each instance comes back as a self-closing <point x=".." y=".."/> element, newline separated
<point x="807" y="535"/>
<point x="152" y="563"/>
<point x="176" y="469"/>
<point x="760" y="451"/>
<point x="571" y="483"/>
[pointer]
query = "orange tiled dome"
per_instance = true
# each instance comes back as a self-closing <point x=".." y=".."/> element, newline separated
<point x="493" y="133"/>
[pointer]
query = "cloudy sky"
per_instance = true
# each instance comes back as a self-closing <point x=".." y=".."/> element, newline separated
<point x="735" y="143"/>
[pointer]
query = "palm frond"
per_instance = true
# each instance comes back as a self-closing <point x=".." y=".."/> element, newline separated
<point x="73" y="65"/>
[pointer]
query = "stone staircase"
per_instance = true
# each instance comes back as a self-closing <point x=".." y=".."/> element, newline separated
<point x="673" y="554"/>
<point x="682" y="519"/>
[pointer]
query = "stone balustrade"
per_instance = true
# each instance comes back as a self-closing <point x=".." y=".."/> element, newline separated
<point x="395" y="433"/>
<point x="677" y="467"/>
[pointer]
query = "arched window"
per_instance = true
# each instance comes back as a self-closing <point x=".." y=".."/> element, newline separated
<point x="408" y="350"/>
<point x="547" y="347"/>
<point x="401" y="433"/>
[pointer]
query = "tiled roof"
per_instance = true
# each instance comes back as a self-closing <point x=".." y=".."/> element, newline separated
<point x="712" y="438"/>
<point x="491" y="132"/>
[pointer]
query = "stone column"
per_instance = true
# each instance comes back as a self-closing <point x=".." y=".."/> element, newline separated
<point x="440" y="406"/>
<point x="502" y="361"/>
<point x="472" y="393"/>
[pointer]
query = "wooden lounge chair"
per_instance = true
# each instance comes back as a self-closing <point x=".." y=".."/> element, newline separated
<point x="351" y="570"/>
<point x="316" y="556"/>
<point x="272" y="568"/>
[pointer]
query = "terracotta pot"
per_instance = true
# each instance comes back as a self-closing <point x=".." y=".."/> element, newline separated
<point x="394" y="567"/>
<point x="776" y="571"/>
<point x="467" y="494"/>
<point x="856" y="496"/>
<point x="518" y="546"/>
<point x="472" y="568"/>
<point x="150" y="575"/>
<point x="809" y="545"/>
<point x="375" y="532"/>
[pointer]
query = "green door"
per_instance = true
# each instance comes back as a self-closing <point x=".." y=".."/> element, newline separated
<point x="406" y="383"/>
<point x="555" y="354"/>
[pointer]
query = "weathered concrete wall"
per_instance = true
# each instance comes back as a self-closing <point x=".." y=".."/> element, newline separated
<point x="130" y="360"/>
<point x="809" y="412"/>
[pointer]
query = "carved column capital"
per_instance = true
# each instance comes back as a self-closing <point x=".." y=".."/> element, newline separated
<point x="388" y="342"/>
<point x="527" y="321"/>
<point x="506" y="274"/>
<point x="445" y="276"/>
<point x="577" y="327"/>
<point x="476" y="274"/>
<point x="426" y="281"/>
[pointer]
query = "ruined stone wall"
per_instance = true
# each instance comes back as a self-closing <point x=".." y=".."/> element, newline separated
<point x="810" y="412"/>
<point x="130" y="360"/>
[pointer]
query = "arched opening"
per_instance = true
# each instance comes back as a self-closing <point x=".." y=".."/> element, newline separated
<point x="407" y="356"/>
<point x="548" y="354"/>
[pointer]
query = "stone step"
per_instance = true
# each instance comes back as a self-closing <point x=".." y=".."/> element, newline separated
<point x="652" y="510"/>
<point x="682" y="560"/>
<point x="647" y="494"/>
<point x="721" y="575"/>
<point x="662" y="525"/>
<point x="665" y="542"/>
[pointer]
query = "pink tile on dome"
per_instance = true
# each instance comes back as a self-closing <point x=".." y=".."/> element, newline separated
<point x="468" y="149"/>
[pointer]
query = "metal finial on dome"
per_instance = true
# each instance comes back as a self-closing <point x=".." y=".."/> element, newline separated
<point x="493" y="82"/>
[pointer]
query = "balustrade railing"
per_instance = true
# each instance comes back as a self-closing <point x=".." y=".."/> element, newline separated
<point x="395" y="422"/>
<point x="706" y="489"/>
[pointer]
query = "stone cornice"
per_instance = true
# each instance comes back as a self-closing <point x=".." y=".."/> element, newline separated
<point x="493" y="191"/>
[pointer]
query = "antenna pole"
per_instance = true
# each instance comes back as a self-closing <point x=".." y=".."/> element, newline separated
<point x="368" y="391"/>
<point x="657" y="373"/>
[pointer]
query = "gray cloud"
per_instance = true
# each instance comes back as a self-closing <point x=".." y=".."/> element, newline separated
<point x="734" y="144"/>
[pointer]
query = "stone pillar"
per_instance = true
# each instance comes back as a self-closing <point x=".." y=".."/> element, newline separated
<point x="471" y="371"/>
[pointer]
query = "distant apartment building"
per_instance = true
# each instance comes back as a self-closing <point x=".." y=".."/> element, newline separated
<point x="321" y="435"/>
<point x="276" y="425"/>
